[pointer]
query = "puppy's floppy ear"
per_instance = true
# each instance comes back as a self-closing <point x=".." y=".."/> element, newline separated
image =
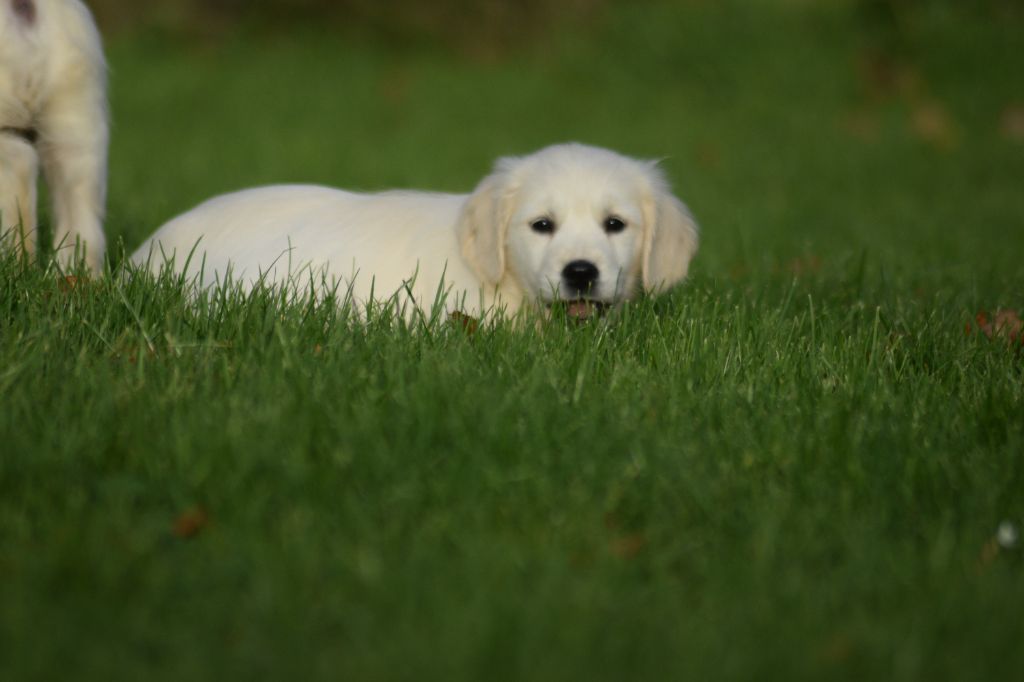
<point x="483" y="224"/>
<point x="670" y="235"/>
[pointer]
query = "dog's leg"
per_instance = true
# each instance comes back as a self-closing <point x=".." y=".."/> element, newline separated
<point x="73" y="145"/>
<point x="19" y="168"/>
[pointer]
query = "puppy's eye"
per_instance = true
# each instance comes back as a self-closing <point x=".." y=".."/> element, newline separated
<point x="613" y="225"/>
<point x="543" y="226"/>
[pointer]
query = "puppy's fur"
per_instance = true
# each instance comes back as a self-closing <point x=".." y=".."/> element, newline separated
<point x="53" y="113"/>
<point x="568" y="223"/>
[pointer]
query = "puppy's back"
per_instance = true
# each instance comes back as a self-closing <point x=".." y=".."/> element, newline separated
<point x="275" y="233"/>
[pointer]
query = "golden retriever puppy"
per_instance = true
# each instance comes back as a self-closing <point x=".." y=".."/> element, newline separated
<point x="53" y="112"/>
<point x="573" y="224"/>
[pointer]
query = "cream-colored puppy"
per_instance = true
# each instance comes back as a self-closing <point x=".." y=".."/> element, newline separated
<point x="52" y="110"/>
<point x="569" y="223"/>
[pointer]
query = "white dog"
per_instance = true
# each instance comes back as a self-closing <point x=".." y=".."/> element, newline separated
<point x="52" y="109"/>
<point x="572" y="223"/>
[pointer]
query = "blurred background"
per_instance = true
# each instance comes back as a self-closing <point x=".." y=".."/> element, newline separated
<point x="476" y="23"/>
<point x="484" y="24"/>
<point x="803" y="133"/>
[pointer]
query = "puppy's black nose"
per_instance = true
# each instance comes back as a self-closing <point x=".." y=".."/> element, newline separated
<point x="580" y="275"/>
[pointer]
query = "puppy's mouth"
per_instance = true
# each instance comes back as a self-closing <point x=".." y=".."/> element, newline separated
<point x="580" y="309"/>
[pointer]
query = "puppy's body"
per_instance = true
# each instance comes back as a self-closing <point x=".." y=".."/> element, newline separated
<point x="570" y="222"/>
<point x="301" y="235"/>
<point x="53" y="115"/>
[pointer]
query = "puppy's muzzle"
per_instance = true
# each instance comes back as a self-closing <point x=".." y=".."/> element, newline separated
<point x="580" y="276"/>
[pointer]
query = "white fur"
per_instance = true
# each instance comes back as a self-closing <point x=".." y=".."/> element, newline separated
<point x="53" y="81"/>
<point x="482" y="244"/>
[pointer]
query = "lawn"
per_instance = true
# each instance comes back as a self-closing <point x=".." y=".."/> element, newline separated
<point x="795" y="466"/>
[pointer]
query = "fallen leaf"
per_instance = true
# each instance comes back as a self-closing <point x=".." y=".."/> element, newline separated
<point x="708" y="155"/>
<point x="628" y="546"/>
<point x="470" y="324"/>
<point x="1011" y="123"/>
<point x="932" y="123"/>
<point x="884" y="75"/>
<point x="394" y="88"/>
<point x="1005" y="323"/>
<point x="1005" y="538"/>
<point x="803" y="265"/>
<point x="612" y="521"/>
<point x="836" y="649"/>
<point x="739" y="270"/>
<point x="191" y="523"/>
<point x="989" y="552"/>
<point x="68" y="283"/>
<point x="862" y="125"/>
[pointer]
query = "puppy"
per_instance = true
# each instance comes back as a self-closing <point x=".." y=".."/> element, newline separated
<point x="53" y="112"/>
<point x="571" y="224"/>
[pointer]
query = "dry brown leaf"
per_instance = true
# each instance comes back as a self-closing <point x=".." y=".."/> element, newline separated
<point x="885" y="76"/>
<point x="932" y="123"/>
<point x="708" y="155"/>
<point x="739" y="271"/>
<point x="836" y="649"/>
<point x="862" y="125"/>
<point x="803" y="265"/>
<point x="470" y="324"/>
<point x="1011" y="123"/>
<point x="394" y="88"/>
<point x="989" y="552"/>
<point x="628" y="546"/>
<point x="68" y="283"/>
<point x="191" y="523"/>
<point x="612" y="521"/>
<point x="1005" y="538"/>
<point x="1004" y="324"/>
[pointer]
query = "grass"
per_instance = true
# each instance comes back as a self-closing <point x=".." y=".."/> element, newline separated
<point x="792" y="467"/>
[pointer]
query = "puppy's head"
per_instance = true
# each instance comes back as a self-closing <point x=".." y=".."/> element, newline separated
<point x="579" y="225"/>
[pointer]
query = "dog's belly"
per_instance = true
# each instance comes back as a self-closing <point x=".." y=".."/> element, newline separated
<point x="374" y="245"/>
